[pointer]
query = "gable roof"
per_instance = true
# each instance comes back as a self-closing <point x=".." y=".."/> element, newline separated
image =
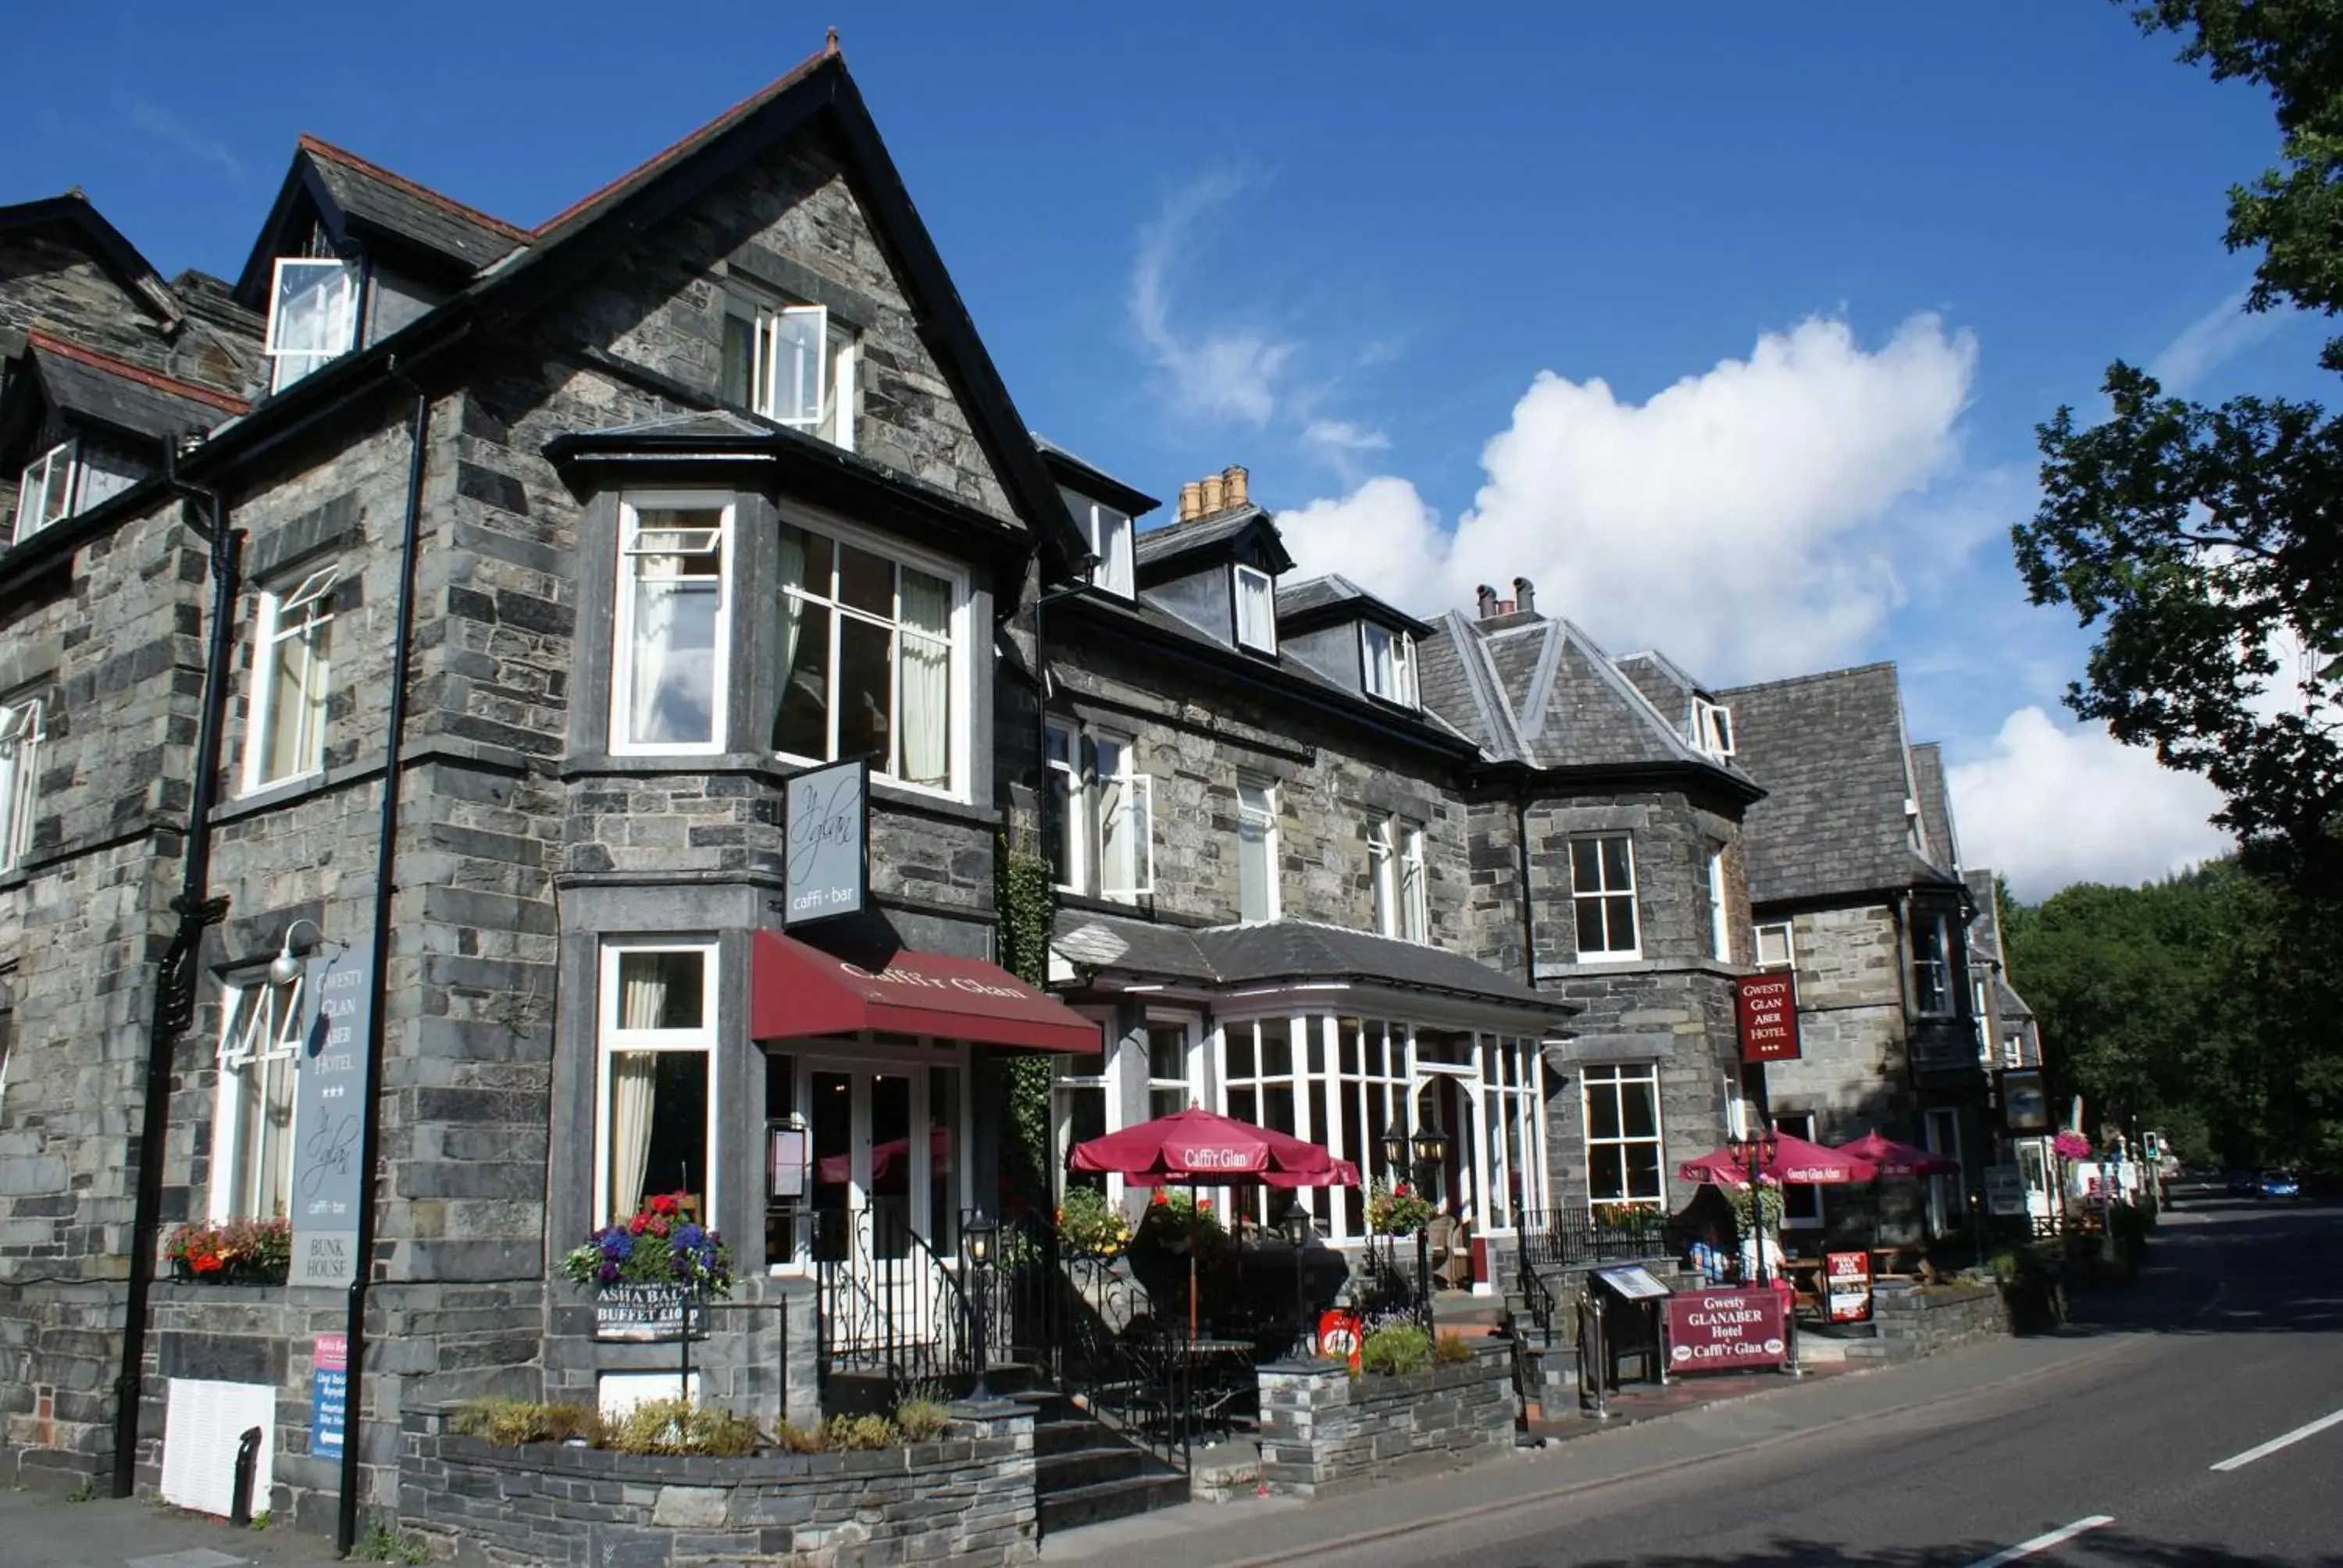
<point x="391" y="202"/>
<point x="123" y="396"/>
<point x="567" y="250"/>
<point x="1324" y="600"/>
<point x="1829" y="750"/>
<point x="1936" y="812"/>
<point x="1218" y="535"/>
<point x="1077" y="472"/>
<point x="95" y="238"/>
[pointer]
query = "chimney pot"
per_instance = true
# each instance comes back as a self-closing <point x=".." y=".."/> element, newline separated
<point x="1504" y="607"/>
<point x="1485" y="599"/>
<point x="1192" y="500"/>
<point x="1212" y="491"/>
<point x="1525" y="595"/>
<point x="1233" y="485"/>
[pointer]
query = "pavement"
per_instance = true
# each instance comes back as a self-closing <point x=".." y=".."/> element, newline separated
<point x="2195" y="1419"/>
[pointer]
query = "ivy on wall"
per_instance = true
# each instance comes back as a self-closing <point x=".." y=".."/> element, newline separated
<point x="1023" y="898"/>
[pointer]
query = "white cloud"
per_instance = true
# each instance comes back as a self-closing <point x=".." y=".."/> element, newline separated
<point x="2048" y="806"/>
<point x="177" y="134"/>
<point x="1345" y="436"/>
<point x="1216" y="373"/>
<point x="2212" y="340"/>
<point x="1733" y="519"/>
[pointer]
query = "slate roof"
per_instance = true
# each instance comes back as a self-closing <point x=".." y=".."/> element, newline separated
<point x="1198" y="534"/>
<point x="1829" y="752"/>
<point x="1287" y="949"/>
<point x="1542" y="692"/>
<point x="97" y="387"/>
<point x="1663" y="686"/>
<point x="1313" y="597"/>
<point x="1935" y="814"/>
<point x="374" y="194"/>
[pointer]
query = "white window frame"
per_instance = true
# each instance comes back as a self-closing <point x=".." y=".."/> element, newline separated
<point x="266" y="1040"/>
<point x="1775" y="929"/>
<point x="1189" y="1085"/>
<point x="836" y="408"/>
<point x="1604" y="894"/>
<point x="22" y="730"/>
<point x="1134" y="810"/>
<point x="1619" y="1077"/>
<point x="1711" y="727"/>
<point x="725" y="546"/>
<point x="1262" y="636"/>
<point x="1108" y="532"/>
<point x="1937" y="963"/>
<point x="610" y="1039"/>
<point x="961" y="677"/>
<point x="52" y="478"/>
<point x="1401" y="686"/>
<point x="1263" y="818"/>
<point x="289" y="365"/>
<point x="1395" y="860"/>
<point x="1720" y="914"/>
<point x="280" y="617"/>
<point x="1800" y="1196"/>
<point x="1065" y="778"/>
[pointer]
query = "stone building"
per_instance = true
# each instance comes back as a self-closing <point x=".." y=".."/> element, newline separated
<point x="472" y="661"/>
<point x="1854" y="886"/>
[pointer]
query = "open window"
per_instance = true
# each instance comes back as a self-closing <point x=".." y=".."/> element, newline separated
<point x="1256" y="610"/>
<point x="252" y="1136"/>
<point x="1389" y="664"/>
<point x="669" y="675"/>
<point x="1108" y="533"/>
<point x="291" y="670"/>
<point x="45" y="495"/>
<point x="312" y="317"/>
<point x="1126" y="822"/>
<point x="791" y="364"/>
<point x="20" y="748"/>
<point x="1712" y="726"/>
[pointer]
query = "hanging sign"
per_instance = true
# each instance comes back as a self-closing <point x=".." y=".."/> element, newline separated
<point x="328" y="1109"/>
<point x="646" y="1313"/>
<point x="329" y="1394"/>
<point x="2004" y="1189"/>
<point x="828" y="822"/>
<point x="1768" y="1007"/>
<point x="1847" y="1286"/>
<point x="1727" y="1329"/>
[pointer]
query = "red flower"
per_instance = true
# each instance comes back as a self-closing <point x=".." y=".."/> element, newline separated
<point x="1204" y="1206"/>
<point x="665" y="1203"/>
<point x="635" y="1226"/>
<point x="1161" y="1200"/>
<point x="1400" y="1191"/>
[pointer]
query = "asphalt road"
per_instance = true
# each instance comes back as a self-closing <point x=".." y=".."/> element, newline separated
<point x="2150" y="1446"/>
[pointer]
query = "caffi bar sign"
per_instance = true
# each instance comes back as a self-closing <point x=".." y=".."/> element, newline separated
<point x="828" y="823"/>
<point x="1769" y="1017"/>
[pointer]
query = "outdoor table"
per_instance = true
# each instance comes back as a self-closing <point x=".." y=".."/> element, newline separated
<point x="1213" y="1396"/>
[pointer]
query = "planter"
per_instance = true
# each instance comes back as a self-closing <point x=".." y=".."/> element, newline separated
<point x="232" y="1274"/>
<point x="1322" y="1429"/>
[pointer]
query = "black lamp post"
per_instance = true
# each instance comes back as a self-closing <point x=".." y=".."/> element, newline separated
<point x="1297" y="1227"/>
<point x="1756" y="1153"/>
<point x="978" y="1235"/>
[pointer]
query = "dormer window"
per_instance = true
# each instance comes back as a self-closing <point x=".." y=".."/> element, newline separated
<point x="1256" y="610"/>
<point x="45" y="493"/>
<point x="1390" y="664"/>
<point x="1711" y="727"/>
<point x="312" y="317"/>
<point x="790" y="363"/>
<point x="1107" y="534"/>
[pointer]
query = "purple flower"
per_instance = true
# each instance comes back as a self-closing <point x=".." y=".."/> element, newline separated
<point x="609" y="1273"/>
<point x="689" y="1235"/>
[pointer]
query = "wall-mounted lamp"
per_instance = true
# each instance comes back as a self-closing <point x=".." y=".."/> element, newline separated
<point x="286" y="966"/>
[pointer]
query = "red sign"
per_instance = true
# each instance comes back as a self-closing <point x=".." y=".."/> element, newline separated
<point x="1338" y="1337"/>
<point x="1847" y="1286"/>
<point x="1727" y="1329"/>
<point x="1769" y="1017"/>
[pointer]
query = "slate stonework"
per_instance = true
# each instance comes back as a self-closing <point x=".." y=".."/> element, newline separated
<point x="1325" y="1431"/>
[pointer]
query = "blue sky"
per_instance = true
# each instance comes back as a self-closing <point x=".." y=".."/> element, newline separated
<point x="1829" y="265"/>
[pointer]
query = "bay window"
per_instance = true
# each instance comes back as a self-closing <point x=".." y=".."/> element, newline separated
<point x="291" y="665"/>
<point x="1169" y="1083"/>
<point x="312" y="317"/>
<point x="1257" y="891"/>
<point x="20" y="752"/>
<point x="1603" y="894"/>
<point x="1932" y="965"/>
<point x="1256" y="610"/>
<point x="252" y="1132"/>
<point x="791" y="364"/>
<point x="653" y="1129"/>
<point x="1622" y="1135"/>
<point x="670" y="676"/>
<point x="1390" y="664"/>
<point x="867" y="661"/>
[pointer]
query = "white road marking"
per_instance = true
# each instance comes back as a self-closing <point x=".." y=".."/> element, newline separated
<point x="2044" y="1542"/>
<point x="2312" y="1429"/>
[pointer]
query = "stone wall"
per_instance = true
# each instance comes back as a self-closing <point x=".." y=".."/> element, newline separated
<point x="1323" y="1431"/>
<point x="1914" y="1321"/>
<point x="968" y="1499"/>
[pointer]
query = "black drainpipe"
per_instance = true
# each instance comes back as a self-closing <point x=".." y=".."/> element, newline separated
<point x="175" y="977"/>
<point x="386" y="856"/>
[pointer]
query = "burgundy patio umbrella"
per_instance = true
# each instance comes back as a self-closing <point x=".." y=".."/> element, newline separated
<point x="1795" y="1163"/>
<point x="1199" y="1148"/>
<point x="1895" y="1158"/>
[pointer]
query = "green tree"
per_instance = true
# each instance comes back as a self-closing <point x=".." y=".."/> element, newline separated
<point x="2202" y="541"/>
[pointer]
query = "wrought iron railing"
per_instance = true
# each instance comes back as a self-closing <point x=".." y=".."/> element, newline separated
<point x="1537" y="1296"/>
<point x="1555" y="1240"/>
<point x="887" y="1303"/>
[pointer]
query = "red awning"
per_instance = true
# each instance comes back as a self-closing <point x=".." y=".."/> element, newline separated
<point x="795" y="990"/>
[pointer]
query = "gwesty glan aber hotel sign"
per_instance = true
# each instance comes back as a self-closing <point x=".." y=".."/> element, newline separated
<point x="1768" y="1007"/>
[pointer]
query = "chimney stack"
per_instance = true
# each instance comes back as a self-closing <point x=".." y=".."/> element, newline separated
<point x="1233" y="486"/>
<point x="1192" y="500"/>
<point x="1485" y="598"/>
<point x="1524" y="596"/>
<point x="1212" y="489"/>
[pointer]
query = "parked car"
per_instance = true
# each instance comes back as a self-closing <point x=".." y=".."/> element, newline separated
<point x="2244" y="1183"/>
<point x="2281" y="1184"/>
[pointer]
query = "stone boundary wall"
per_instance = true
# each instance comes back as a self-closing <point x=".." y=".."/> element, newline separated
<point x="1323" y="1432"/>
<point x="967" y="1498"/>
<point x="1913" y="1321"/>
